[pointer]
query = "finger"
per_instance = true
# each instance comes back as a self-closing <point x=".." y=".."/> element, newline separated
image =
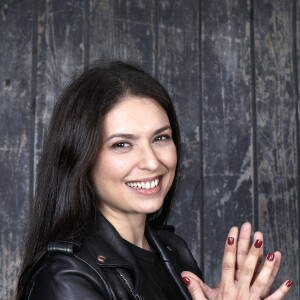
<point x="281" y="292"/>
<point x="243" y="246"/>
<point x="192" y="283"/>
<point x="258" y="236"/>
<point x="229" y="258"/>
<point x="267" y="289"/>
<point x="250" y="263"/>
<point x="207" y="291"/>
<point x="262" y="279"/>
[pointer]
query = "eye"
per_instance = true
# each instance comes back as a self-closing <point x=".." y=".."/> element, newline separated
<point x="162" y="138"/>
<point x="121" y="145"/>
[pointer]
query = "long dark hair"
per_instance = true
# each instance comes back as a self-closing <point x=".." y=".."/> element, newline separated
<point x="65" y="198"/>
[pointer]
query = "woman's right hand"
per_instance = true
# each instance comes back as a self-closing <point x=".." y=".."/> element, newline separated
<point x="242" y="278"/>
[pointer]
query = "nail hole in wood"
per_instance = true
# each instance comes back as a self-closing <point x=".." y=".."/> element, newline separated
<point x="7" y="83"/>
<point x="5" y="9"/>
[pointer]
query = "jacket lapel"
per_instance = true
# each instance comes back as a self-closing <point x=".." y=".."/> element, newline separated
<point x="104" y="240"/>
<point x="168" y="258"/>
<point x="110" y="249"/>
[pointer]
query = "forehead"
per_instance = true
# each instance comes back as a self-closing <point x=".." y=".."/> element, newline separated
<point x="135" y="114"/>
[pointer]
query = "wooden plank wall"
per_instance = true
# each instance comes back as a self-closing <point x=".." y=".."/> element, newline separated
<point x="232" y="69"/>
<point x="15" y="115"/>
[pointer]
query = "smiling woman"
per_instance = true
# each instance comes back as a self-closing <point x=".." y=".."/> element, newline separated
<point x="105" y="187"/>
<point x="135" y="160"/>
<point x="136" y="164"/>
<point x="106" y="179"/>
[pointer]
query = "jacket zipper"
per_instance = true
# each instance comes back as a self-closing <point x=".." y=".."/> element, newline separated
<point x="135" y="296"/>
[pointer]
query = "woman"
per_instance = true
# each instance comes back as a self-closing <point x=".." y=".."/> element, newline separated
<point x="105" y="186"/>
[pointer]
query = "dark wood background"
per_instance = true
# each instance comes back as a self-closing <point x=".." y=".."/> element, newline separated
<point x="231" y="67"/>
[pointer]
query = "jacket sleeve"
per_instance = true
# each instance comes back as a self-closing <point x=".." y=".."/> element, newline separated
<point x="63" y="277"/>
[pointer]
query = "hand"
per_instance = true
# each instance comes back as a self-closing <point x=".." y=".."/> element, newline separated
<point x="242" y="277"/>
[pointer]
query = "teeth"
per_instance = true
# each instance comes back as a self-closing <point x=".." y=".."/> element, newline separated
<point x="144" y="185"/>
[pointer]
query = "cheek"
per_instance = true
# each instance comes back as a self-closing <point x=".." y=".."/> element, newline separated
<point x="170" y="158"/>
<point x="112" y="168"/>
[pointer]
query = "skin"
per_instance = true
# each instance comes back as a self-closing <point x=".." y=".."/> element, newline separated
<point x="137" y="146"/>
<point x="243" y="277"/>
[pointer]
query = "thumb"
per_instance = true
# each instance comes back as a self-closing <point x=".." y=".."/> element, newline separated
<point x="193" y="285"/>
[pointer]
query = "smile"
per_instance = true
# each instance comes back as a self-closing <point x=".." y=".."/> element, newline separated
<point x="144" y="184"/>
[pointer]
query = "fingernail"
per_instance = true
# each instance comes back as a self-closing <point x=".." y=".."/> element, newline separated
<point x="186" y="281"/>
<point x="258" y="243"/>
<point x="289" y="283"/>
<point x="230" y="241"/>
<point x="270" y="257"/>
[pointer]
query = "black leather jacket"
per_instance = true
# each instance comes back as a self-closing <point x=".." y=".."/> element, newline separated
<point x="99" y="265"/>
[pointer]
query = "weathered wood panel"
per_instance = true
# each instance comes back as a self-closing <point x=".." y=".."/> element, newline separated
<point x="296" y="61"/>
<point x="122" y="30"/>
<point x="227" y="118"/>
<point x="15" y="62"/>
<point x="177" y="29"/>
<point x="60" y="53"/>
<point x="276" y="134"/>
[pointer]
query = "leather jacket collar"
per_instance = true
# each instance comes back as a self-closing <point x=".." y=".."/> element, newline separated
<point x="104" y="241"/>
<point x="111" y="265"/>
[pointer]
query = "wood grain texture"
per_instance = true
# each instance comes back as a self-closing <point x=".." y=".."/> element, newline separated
<point x="296" y="61"/>
<point x="177" y="29"/>
<point x="122" y="30"/>
<point x="15" y="36"/>
<point x="227" y="135"/>
<point x="276" y="134"/>
<point x="60" y="53"/>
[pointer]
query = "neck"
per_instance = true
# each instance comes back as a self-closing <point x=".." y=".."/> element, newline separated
<point x="131" y="227"/>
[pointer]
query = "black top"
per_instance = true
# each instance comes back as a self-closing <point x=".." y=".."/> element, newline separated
<point x="156" y="281"/>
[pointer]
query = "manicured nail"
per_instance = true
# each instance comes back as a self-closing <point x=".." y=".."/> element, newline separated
<point x="258" y="244"/>
<point x="270" y="257"/>
<point x="230" y="241"/>
<point x="186" y="281"/>
<point x="289" y="283"/>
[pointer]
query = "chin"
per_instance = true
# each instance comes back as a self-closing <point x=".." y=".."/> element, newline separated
<point x="150" y="209"/>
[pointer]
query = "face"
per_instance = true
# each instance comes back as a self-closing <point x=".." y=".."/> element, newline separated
<point x="136" y="164"/>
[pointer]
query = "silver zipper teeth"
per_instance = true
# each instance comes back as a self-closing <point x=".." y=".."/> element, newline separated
<point x="134" y="295"/>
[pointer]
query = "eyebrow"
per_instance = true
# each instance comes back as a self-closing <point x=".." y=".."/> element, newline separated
<point x="133" y="137"/>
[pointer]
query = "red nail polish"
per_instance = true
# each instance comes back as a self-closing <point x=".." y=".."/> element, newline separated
<point x="289" y="283"/>
<point x="186" y="281"/>
<point x="270" y="257"/>
<point x="258" y="244"/>
<point x="230" y="241"/>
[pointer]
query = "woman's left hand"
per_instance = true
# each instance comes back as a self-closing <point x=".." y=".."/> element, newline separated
<point x="243" y="277"/>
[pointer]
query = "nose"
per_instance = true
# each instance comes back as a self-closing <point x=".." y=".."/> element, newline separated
<point x="148" y="159"/>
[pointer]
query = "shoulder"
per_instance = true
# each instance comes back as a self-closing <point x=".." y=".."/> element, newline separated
<point x="63" y="274"/>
